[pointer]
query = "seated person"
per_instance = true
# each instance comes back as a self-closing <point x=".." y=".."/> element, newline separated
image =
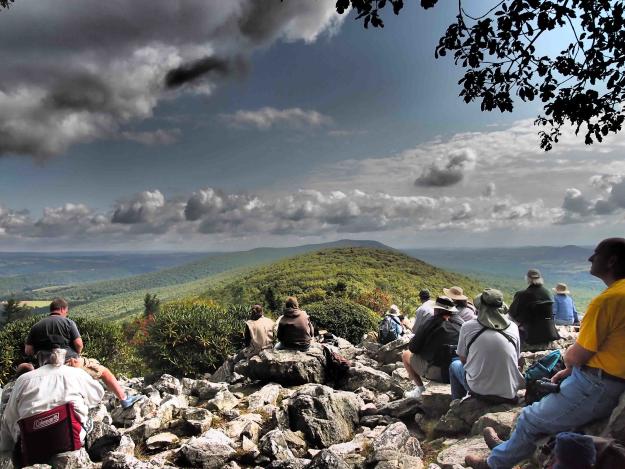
<point x="430" y="349"/>
<point x="8" y="388"/>
<point x="392" y="326"/>
<point x="532" y="310"/>
<point x="564" y="311"/>
<point x="424" y="311"/>
<point x="258" y="331"/>
<point x="465" y="309"/>
<point x="50" y="385"/>
<point x="59" y="329"/>
<point x="488" y="352"/>
<point x="295" y="330"/>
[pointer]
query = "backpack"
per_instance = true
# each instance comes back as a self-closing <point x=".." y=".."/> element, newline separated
<point x="544" y="368"/>
<point x="337" y="365"/>
<point x="390" y="329"/>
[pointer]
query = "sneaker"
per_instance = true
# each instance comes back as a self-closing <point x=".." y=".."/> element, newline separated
<point x="476" y="462"/>
<point x="415" y="393"/>
<point x="491" y="438"/>
<point x="130" y="401"/>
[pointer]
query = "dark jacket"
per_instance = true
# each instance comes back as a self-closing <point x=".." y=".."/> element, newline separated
<point x="532" y="309"/>
<point x="294" y="329"/>
<point x="436" y="339"/>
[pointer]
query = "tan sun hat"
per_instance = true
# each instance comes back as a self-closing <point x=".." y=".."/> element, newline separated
<point x="446" y="304"/>
<point x="562" y="289"/>
<point x="455" y="293"/>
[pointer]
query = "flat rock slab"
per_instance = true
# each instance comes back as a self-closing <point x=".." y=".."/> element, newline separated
<point x="455" y="454"/>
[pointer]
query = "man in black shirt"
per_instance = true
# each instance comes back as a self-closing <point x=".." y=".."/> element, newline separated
<point x="58" y="330"/>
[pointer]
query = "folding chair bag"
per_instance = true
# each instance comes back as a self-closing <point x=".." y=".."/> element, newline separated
<point x="48" y="433"/>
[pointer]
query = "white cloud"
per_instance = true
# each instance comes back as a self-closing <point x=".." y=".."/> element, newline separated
<point x="154" y="137"/>
<point x="448" y="170"/>
<point x="268" y="117"/>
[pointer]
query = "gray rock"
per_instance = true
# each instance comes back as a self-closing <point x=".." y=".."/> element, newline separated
<point x="161" y="441"/>
<point x="454" y="455"/>
<point x="223" y="402"/>
<point x="394" y="438"/>
<point x="502" y="422"/>
<point x="367" y="377"/>
<point x="401" y="409"/>
<point x="436" y="399"/>
<point x="225" y="373"/>
<point x="274" y="445"/>
<point x="206" y="390"/>
<point x="327" y="459"/>
<point x="296" y="443"/>
<point x="72" y="460"/>
<point x="286" y="367"/>
<point x="247" y="426"/>
<point x="117" y="460"/>
<point x="324" y="415"/>
<point x="373" y="421"/>
<point x="292" y="464"/>
<point x="5" y="460"/>
<point x="463" y="413"/>
<point x="615" y="427"/>
<point x="266" y="395"/>
<point x="391" y="352"/>
<point x="102" y="439"/>
<point x="211" y="450"/>
<point x="168" y="384"/>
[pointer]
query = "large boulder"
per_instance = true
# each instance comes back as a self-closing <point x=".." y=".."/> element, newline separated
<point x="395" y="444"/>
<point x="286" y="367"/>
<point x="366" y="377"/>
<point x="502" y="422"/>
<point x="327" y="459"/>
<point x="72" y="460"/>
<point x="436" y="399"/>
<point x="391" y="352"/>
<point x="324" y="415"/>
<point x="454" y="455"/>
<point x="211" y="450"/>
<point x="463" y="413"/>
<point x="273" y="444"/>
<point x="267" y="395"/>
<point x="616" y="425"/>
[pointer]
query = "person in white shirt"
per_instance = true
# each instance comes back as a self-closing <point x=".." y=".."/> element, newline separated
<point x="426" y="310"/>
<point x="50" y="385"/>
<point x="488" y="352"/>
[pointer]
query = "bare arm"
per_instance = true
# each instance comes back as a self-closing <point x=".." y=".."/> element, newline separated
<point x="29" y="349"/>
<point x="576" y="355"/>
<point x="77" y="345"/>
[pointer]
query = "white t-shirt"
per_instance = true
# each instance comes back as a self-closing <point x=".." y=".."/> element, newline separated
<point x="492" y="361"/>
<point x="423" y="312"/>
<point x="43" y="389"/>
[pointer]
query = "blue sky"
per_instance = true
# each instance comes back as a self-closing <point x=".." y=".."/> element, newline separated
<point x="318" y="130"/>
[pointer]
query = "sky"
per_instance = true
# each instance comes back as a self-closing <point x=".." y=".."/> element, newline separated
<point x="214" y="125"/>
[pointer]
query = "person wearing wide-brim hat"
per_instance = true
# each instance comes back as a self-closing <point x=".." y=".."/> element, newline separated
<point x="564" y="311"/>
<point x="488" y="352"/>
<point x="465" y="309"/>
<point x="429" y="350"/>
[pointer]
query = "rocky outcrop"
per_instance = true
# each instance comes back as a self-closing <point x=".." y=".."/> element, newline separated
<point x="285" y="367"/>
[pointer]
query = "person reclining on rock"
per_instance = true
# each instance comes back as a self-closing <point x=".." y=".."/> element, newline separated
<point x="466" y="310"/>
<point x="8" y="388"/>
<point x="58" y="328"/>
<point x="430" y="349"/>
<point x="50" y="385"/>
<point x="594" y="377"/>
<point x="532" y="310"/>
<point x="488" y="353"/>
<point x="258" y="331"/>
<point x="295" y="330"/>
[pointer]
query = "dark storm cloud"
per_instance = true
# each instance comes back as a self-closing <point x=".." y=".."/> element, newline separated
<point x="77" y="71"/>
<point x="449" y="170"/>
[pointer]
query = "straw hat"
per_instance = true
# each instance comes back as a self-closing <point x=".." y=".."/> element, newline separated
<point x="394" y="309"/>
<point x="562" y="289"/>
<point x="492" y="312"/>
<point x="455" y="293"/>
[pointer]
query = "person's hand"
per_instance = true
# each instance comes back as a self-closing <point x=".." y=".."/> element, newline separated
<point x="560" y="375"/>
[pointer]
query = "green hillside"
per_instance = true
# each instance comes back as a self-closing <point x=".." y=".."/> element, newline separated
<point x="359" y="273"/>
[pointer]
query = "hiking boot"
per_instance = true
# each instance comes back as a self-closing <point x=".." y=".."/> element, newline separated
<point x="129" y="401"/>
<point x="491" y="438"/>
<point x="476" y="462"/>
<point x="415" y="393"/>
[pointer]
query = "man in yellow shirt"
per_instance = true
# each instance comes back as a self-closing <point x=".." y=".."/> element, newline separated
<point x="594" y="377"/>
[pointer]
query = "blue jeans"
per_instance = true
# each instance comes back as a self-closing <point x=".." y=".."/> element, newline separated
<point x="564" y="322"/>
<point x="582" y="398"/>
<point x="457" y="378"/>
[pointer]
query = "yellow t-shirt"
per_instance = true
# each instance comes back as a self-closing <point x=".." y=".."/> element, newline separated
<point x="603" y="330"/>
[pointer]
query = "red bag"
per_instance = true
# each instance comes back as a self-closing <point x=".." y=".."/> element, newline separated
<point x="48" y="433"/>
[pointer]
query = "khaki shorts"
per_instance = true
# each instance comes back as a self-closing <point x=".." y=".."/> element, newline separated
<point x="421" y="367"/>
<point x="92" y="366"/>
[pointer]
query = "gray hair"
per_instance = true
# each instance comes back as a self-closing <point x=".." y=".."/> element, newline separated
<point x="54" y="357"/>
<point x="534" y="281"/>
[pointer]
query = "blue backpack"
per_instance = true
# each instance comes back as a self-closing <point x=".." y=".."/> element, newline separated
<point x="544" y="368"/>
<point x="390" y="329"/>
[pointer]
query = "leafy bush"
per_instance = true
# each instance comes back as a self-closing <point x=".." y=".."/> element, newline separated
<point x="103" y="341"/>
<point x="343" y="318"/>
<point x="193" y="337"/>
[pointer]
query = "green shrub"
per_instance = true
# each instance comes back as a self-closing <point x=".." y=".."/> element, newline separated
<point x="103" y="341"/>
<point x="343" y="318"/>
<point x="193" y="337"/>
